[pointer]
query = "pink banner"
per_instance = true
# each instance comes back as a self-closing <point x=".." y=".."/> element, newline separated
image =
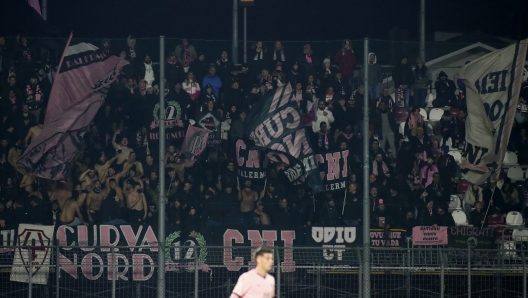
<point x="194" y="144"/>
<point x="85" y="74"/>
<point x="429" y="235"/>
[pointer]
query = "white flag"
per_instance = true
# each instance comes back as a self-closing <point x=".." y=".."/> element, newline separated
<point x="493" y="83"/>
<point x="33" y="254"/>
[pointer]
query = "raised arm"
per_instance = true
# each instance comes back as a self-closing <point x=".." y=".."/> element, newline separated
<point x="116" y="145"/>
<point x="145" y="207"/>
<point x="28" y="135"/>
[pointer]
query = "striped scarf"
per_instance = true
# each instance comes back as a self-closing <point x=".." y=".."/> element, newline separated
<point x="282" y="58"/>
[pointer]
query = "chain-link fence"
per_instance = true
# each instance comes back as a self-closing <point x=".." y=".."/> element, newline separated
<point x="199" y="271"/>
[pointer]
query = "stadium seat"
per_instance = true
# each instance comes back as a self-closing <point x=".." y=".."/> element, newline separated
<point x="496" y="219"/>
<point x="434" y="142"/>
<point x="460" y="218"/>
<point x="500" y="183"/>
<point x="401" y="115"/>
<point x="510" y="158"/>
<point x="454" y="203"/>
<point x="429" y="100"/>
<point x="436" y="114"/>
<point x="401" y="129"/>
<point x="456" y="155"/>
<point x="462" y="186"/>
<point x="454" y="112"/>
<point x="515" y="174"/>
<point x="423" y="112"/>
<point x="514" y="218"/>
<point x="520" y="235"/>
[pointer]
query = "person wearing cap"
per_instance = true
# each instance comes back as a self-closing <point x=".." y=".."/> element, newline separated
<point x="308" y="60"/>
<point x="345" y="58"/>
<point x="327" y="73"/>
<point x="381" y="217"/>
<point x="445" y="92"/>
<point x="403" y="77"/>
<point x="447" y="167"/>
<point x="213" y="80"/>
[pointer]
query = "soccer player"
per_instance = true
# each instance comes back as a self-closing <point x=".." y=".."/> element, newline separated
<point x="257" y="283"/>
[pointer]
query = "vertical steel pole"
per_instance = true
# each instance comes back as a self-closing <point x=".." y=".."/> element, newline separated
<point x="524" y="272"/>
<point x="196" y="248"/>
<point x="366" y="170"/>
<point x="30" y="273"/>
<point x="245" y="34"/>
<point x="442" y="274"/>
<point x="279" y="277"/>
<point x="234" y="55"/>
<point x="469" y="270"/>
<point x="114" y="270"/>
<point x="422" y="30"/>
<point x="161" y="207"/>
<point x="57" y="269"/>
<point x="44" y="10"/>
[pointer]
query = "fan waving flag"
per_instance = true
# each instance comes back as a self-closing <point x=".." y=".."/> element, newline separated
<point x="275" y="123"/>
<point x="84" y="76"/>
<point x="194" y="144"/>
<point x="493" y="83"/>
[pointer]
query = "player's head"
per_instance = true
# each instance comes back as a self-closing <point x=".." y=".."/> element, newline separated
<point x="264" y="258"/>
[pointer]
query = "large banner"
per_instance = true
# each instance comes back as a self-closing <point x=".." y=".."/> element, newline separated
<point x="429" y="235"/>
<point x="387" y="238"/>
<point x="175" y="122"/>
<point x="81" y="84"/>
<point x="493" y="84"/>
<point x="275" y="123"/>
<point x="251" y="162"/>
<point x="460" y="236"/>
<point x="333" y="167"/>
<point x="32" y="259"/>
<point x="194" y="144"/>
<point x="213" y="125"/>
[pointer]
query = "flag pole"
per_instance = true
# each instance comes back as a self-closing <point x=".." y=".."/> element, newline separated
<point x="366" y="165"/>
<point x="161" y="200"/>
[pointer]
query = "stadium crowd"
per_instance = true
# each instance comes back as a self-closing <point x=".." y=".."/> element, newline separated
<point x="115" y="179"/>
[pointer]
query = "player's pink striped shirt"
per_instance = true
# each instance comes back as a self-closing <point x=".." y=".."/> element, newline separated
<point x="253" y="285"/>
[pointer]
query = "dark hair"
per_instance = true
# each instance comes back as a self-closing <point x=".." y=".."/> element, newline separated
<point x="262" y="251"/>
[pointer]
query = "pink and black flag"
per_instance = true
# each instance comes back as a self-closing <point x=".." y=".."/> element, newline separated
<point x="194" y="144"/>
<point x="84" y="76"/>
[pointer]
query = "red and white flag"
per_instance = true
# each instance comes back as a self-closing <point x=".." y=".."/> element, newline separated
<point x="84" y="76"/>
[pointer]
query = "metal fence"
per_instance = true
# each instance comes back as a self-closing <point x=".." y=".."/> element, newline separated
<point x="199" y="271"/>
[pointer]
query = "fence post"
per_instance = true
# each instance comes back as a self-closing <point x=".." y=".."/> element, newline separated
<point x="57" y="270"/>
<point x="360" y="273"/>
<point x="196" y="271"/>
<point x="469" y="270"/>
<point x="279" y="277"/>
<point x="318" y="270"/>
<point x="442" y="274"/>
<point x="408" y="270"/>
<point x="524" y="272"/>
<point x="30" y="276"/>
<point x="113" y="274"/>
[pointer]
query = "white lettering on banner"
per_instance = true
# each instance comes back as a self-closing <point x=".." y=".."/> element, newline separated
<point x="327" y="234"/>
<point x="268" y="236"/>
<point x="7" y="239"/>
<point x="338" y="249"/>
<point x="382" y="238"/>
<point x="294" y="172"/>
<point x="253" y="175"/>
<point x="273" y="128"/>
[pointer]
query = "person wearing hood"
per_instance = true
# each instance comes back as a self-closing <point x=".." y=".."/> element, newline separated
<point x="385" y="127"/>
<point x="443" y="218"/>
<point x="173" y="69"/>
<point x="186" y="54"/>
<point x="422" y="79"/>
<point x="147" y="70"/>
<point x="308" y="60"/>
<point x="213" y="80"/>
<point x="403" y="78"/>
<point x="345" y="58"/>
<point x="375" y="77"/>
<point x="445" y="92"/>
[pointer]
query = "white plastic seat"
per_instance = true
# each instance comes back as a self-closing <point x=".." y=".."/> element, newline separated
<point x="454" y="203"/>
<point x="436" y="114"/>
<point x="402" y="128"/>
<point x="429" y="100"/>
<point x="423" y="112"/>
<point x="520" y="235"/>
<point x="510" y="158"/>
<point x="515" y="173"/>
<point x="514" y="218"/>
<point x="460" y="217"/>
<point x="456" y="155"/>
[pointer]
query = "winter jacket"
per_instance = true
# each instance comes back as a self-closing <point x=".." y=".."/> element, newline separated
<point x="428" y="173"/>
<point x="402" y="74"/>
<point x="215" y="82"/>
<point x="179" y="53"/>
<point x="470" y="196"/>
<point x="328" y="119"/>
<point x="377" y="121"/>
<point x="422" y="81"/>
<point x="374" y="72"/>
<point x="445" y="90"/>
<point x="346" y="60"/>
